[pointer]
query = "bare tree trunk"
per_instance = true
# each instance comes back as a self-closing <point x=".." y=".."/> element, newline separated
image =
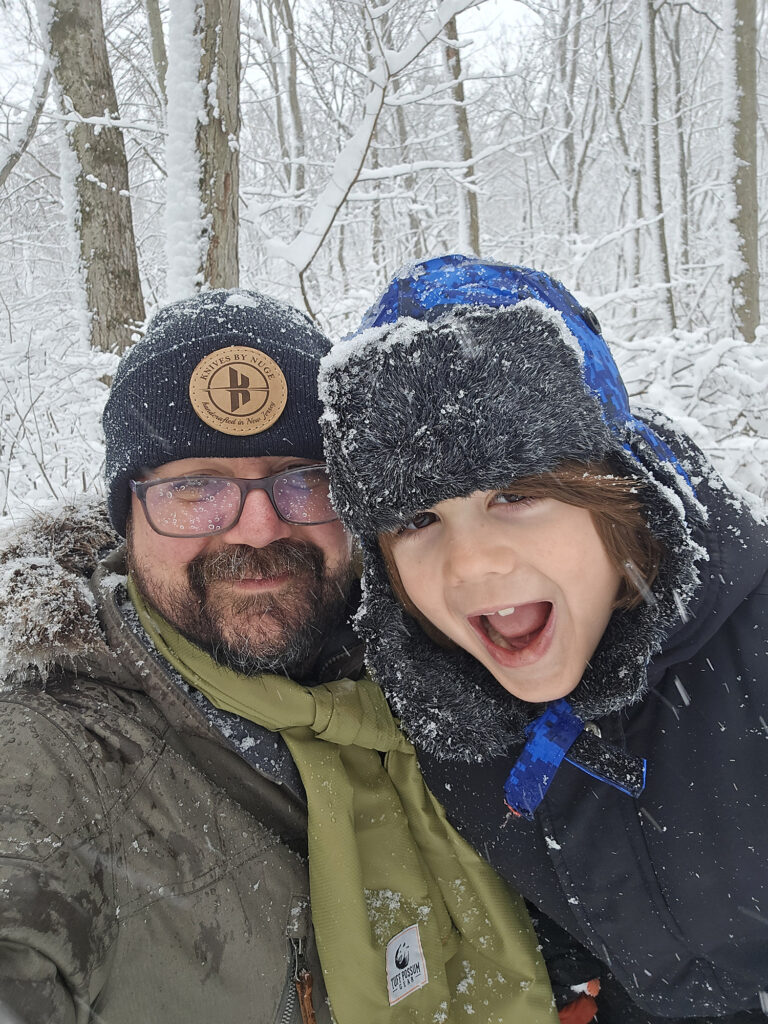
<point x="569" y="37"/>
<point x="270" y="67"/>
<point x="218" y="137"/>
<point x="740" y="88"/>
<point x="673" y="41"/>
<point x="653" y="157"/>
<point x="377" y="237"/>
<point x="631" y="164"/>
<point x="414" y="244"/>
<point x="298" y="146"/>
<point x="157" y="39"/>
<point x="104" y="220"/>
<point x="469" y="217"/>
<point x="417" y="245"/>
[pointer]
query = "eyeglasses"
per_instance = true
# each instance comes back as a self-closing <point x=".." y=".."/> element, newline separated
<point x="200" y="506"/>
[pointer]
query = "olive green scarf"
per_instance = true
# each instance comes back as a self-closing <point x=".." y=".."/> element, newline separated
<point x="397" y="895"/>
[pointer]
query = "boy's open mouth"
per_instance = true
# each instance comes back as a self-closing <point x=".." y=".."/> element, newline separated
<point x="514" y="629"/>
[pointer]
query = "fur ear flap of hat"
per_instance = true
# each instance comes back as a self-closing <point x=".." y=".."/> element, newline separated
<point x="419" y="412"/>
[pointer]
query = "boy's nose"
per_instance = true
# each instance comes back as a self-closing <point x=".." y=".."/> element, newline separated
<point x="259" y="524"/>
<point x="476" y="553"/>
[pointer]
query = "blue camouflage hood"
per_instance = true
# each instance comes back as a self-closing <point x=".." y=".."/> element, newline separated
<point x="464" y="375"/>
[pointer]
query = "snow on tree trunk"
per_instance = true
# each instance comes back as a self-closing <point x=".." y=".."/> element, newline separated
<point x="185" y="224"/>
<point x="95" y="170"/>
<point x="202" y="84"/>
<point x="740" y="149"/>
<point x="653" y="157"/>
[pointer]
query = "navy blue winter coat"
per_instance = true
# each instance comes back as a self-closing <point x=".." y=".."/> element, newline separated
<point x="466" y="376"/>
<point x="669" y="890"/>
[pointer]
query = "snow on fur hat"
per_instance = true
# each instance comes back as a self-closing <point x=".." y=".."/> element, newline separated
<point x="463" y="376"/>
<point x="224" y="374"/>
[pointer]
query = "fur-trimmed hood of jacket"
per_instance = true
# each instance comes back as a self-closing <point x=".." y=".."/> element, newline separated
<point x="52" y="599"/>
<point x="47" y="609"/>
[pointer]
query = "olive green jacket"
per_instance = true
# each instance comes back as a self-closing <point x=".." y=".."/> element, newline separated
<point x="149" y="874"/>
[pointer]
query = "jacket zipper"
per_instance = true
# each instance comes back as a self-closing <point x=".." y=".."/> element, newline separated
<point x="298" y="988"/>
<point x="289" y="1001"/>
<point x="302" y="979"/>
<point x="298" y="985"/>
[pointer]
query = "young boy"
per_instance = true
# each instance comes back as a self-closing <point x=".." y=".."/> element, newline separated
<point x="568" y="612"/>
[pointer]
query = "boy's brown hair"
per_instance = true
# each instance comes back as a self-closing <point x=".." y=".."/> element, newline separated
<point x="616" y="505"/>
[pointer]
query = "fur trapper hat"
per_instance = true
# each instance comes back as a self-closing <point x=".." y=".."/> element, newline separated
<point x="464" y="376"/>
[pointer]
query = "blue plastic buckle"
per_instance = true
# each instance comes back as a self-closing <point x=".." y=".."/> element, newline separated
<point x="549" y="738"/>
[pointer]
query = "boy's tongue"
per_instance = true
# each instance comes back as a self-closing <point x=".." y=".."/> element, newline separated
<point x="527" y="619"/>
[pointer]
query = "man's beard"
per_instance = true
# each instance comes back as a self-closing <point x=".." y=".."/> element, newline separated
<point x="279" y="631"/>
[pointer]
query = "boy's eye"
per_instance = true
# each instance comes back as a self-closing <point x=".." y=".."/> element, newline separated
<point x="507" y="498"/>
<point x="418" y="522"/>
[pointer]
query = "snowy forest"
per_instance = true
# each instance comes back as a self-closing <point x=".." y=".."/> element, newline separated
<point x="309" y="148"/>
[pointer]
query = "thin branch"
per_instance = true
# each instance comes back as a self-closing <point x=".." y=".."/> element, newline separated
<point x="28" y="129"/>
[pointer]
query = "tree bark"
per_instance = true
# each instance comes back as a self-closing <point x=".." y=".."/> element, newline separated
<point x="469" y="216"/>
<point x="568" y="54"/>
<point x="104" y="219"/>
<point x="653" y="156"/>
<point x="157" y="40"/>
<point x="673" y="41"/>
<point x="218" y="136"/>
<point x="631" y="163"/>
<point x="297" y="148"/>
<point x="741" y="106"/>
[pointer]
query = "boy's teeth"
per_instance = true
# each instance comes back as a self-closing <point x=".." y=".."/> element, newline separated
<point x="506" y="611"/>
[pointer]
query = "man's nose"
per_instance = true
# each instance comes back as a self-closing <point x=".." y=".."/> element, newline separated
<point x="259" y="524"/>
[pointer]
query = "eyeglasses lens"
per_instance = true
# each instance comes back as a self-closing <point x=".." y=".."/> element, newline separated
<point x="203" y="505"/>
<point x="302" y="497"/>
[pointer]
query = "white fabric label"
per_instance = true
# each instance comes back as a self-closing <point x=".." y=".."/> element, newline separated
<point x="406" y="967"/>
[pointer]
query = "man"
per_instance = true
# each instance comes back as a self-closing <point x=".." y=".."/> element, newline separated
<point x="152" y="845"/>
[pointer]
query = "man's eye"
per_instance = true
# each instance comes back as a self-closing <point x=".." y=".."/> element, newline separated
<point x="193" y="489"/>
<point x="418" y="522"/>
<point x="305" y="483"/>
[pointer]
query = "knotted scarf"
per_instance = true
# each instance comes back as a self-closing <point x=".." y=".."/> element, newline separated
<point x="398" y="897"/>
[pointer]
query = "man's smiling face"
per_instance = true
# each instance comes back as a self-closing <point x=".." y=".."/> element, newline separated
<point x="260" y="596"/>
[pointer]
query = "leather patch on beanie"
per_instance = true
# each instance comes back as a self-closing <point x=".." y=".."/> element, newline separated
<point x="238" y="390"/>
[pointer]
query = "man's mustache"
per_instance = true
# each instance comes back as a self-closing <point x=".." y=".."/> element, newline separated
<point x="239" y="562"/>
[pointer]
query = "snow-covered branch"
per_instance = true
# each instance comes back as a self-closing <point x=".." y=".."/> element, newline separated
<point x="302" y="249"/>
<point x="17" y="145"/>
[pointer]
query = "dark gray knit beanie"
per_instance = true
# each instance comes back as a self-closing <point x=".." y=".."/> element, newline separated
<point x="252" y="364"/>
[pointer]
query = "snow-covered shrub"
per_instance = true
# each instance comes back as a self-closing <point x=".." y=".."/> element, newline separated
<point x="51" y="395"/>
<point x="716" y="389"/>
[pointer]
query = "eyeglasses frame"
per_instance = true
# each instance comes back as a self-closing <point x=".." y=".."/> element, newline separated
<point x="245" y="485"/>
